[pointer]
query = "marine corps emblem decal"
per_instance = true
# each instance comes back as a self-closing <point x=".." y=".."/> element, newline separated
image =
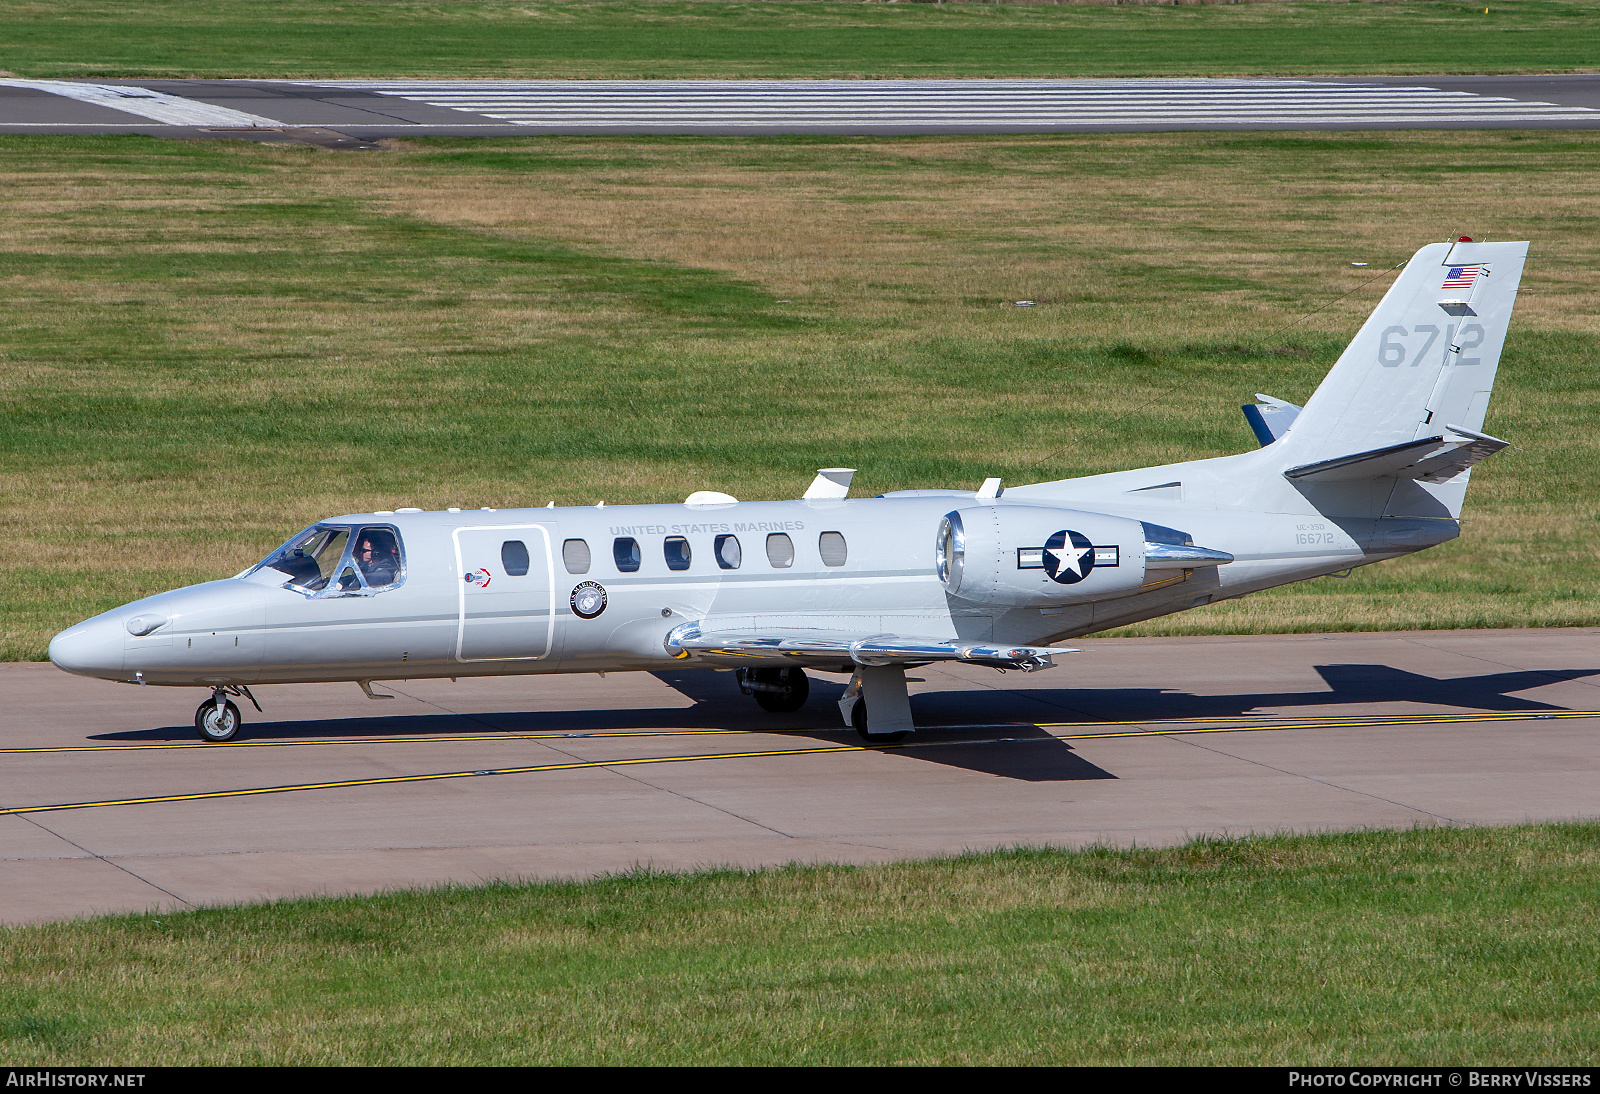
<point x="588" y="599"/>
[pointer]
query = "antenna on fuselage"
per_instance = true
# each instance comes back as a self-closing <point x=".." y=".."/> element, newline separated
<point x="830" y="483"/>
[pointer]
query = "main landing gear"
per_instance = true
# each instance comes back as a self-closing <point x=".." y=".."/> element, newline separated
<point x="883" y="687"/>
<point x="217" y="719"/>
<point x="858" y="721"/>
<point x="781" y="691"/>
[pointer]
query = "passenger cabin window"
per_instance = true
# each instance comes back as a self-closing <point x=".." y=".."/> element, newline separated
<point x="626" y="552"/>
<point x="575" y="554"/>
<point x="327" y="561"/>
<point x="780" y="550"/>
<point x="514" y="557"/>
<point x="727" y="552"/>
<point x="833" y="548"/>
<point x="676" y="548"/>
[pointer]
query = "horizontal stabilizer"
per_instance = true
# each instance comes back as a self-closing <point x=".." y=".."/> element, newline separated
<point x="1431" y="459"/>
<point x="1270" y="419"/>
<point x="833" y="647"/>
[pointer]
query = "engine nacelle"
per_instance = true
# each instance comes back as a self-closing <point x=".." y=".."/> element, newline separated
<point x="1023" y="556"/>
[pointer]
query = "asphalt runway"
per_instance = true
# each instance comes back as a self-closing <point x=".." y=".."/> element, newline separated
<point x="357" y="112"/>
<point x="109" y="803"/>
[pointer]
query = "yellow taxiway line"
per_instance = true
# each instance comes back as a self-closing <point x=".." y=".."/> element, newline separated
<point x="452" y="739"/>
<point x="1200" y="725"/>
<point x="1181" y="726"/>
<point x="390" y="780"/>
<point x="1357" y="722"/>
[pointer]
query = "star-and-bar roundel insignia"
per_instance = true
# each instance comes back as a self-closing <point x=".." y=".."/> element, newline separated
<point x="1068" y="557"/>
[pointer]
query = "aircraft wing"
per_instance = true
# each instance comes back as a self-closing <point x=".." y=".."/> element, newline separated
<point x="823" y="647"/>
<point x="1432" y="459"/>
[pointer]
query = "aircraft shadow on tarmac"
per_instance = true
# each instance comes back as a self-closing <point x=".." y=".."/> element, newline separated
<point x="1349" y="686"/>
<point x="1006" y="743"/>
<point x="1028" y="753"/>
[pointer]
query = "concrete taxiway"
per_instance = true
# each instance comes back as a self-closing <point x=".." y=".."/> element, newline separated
<point x="355" y="112"/>
<point x="1133" y="740"/>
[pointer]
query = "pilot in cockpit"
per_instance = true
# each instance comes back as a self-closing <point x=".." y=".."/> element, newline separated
<point x="378" y="556"/>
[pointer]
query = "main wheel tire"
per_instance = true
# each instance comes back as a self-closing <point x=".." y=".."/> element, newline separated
<point x="784" y="702"/>
<point x="858" y="719"/>
<point x="215" y="728"/>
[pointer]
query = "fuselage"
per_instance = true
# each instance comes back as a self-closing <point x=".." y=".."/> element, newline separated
<point x="594" y="589"/>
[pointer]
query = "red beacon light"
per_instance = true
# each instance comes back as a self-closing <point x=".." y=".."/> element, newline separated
<point x="1464" y="239"/>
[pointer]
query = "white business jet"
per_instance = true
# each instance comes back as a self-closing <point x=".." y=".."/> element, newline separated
<point x="1374" y="466"/>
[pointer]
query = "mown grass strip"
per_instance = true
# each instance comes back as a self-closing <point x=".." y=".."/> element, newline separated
<point x="1430" y="946"/>
<point x="207" y="345"/>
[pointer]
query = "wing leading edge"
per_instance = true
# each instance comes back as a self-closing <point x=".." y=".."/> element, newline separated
<point x="820" y="647"/>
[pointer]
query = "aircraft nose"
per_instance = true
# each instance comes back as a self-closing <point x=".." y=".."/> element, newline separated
<point x="92" y="648"/>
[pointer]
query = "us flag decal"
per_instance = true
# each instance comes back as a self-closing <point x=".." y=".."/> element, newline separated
<point x="1461" y="277"/>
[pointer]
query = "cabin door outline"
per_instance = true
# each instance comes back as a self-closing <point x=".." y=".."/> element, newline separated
<point x="499" y="617"/>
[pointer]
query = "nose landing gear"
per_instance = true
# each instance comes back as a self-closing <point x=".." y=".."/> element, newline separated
<point x="217" y="719"/>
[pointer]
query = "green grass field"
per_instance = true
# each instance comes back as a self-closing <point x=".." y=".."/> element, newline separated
<point x="638" y="38"/>
<point x="208" y="345"/>
<point x="1420" y="947"/>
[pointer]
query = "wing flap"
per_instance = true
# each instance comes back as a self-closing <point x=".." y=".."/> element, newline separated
<point x="690" y="641"/>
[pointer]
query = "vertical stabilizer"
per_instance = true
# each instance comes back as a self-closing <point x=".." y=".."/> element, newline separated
<point x="1425" y="359"/>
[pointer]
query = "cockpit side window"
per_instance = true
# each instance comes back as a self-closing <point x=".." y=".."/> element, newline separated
<point x="377" y="556"/>
<point x="327" y="560"/>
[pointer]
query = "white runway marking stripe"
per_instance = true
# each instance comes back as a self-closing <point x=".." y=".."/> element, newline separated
<point x="944" y="103"/>
<point x="155" y="105"/>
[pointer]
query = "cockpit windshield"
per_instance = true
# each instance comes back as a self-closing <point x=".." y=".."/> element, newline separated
<point x="312" y="557"/>
<point x="332" y="560"/>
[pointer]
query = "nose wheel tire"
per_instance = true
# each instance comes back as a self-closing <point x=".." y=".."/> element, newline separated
<point x="858" y="719"/>
<point x="217" y="726"/>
